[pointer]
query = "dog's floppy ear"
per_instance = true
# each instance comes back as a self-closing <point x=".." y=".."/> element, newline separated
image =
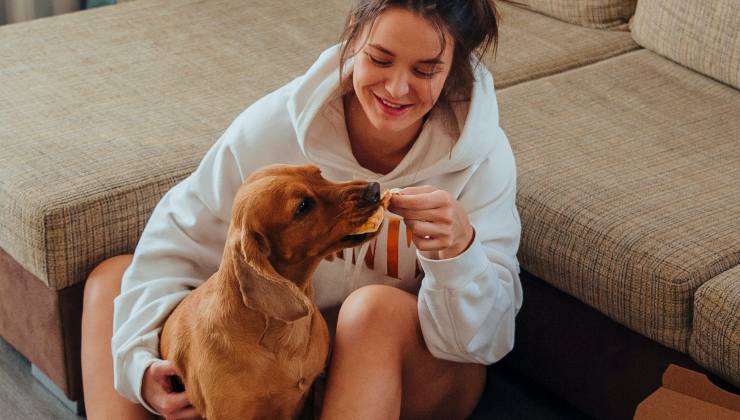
<point x="262" y="288"/>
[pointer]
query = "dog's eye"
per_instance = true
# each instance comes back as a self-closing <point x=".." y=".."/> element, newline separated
<point x="305" y="205"/>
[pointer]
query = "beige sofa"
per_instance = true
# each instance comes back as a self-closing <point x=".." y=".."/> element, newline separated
<point x="626" y="135"/>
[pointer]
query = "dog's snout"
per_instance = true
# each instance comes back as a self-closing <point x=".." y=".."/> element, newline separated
<point x="372" y="193"/>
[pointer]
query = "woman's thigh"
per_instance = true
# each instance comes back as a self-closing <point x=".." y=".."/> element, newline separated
<point x="101" y="399"/>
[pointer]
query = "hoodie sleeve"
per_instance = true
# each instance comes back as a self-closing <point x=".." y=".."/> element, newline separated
<point x="179" y="249"/>
<point x="467" y="304"/>
<point x="183" y="242"/>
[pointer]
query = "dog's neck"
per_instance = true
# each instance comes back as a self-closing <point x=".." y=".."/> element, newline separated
<point x="300" y="274"/>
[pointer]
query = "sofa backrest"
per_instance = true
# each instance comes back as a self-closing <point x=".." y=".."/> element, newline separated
<point x="701" y="35"/>
<point x="590" y="13"/>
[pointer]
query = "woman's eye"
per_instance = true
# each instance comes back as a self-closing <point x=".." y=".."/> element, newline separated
<point x="425" y="74"/>
<point x="303" y="207"/>
<point x="426" y="71"/>
<point x="377" y="61"/>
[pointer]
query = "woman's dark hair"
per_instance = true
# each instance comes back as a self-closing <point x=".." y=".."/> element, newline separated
<point x="473" y="25"/>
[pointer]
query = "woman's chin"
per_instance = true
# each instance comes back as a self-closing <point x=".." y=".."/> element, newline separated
<point x="385" y="126"/>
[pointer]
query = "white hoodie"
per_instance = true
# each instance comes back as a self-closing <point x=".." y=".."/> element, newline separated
<point x="467" y="304"/>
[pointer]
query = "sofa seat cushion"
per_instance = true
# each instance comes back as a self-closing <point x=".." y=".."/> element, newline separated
<point x="628" y="189"/>
<point x="104" y="110"/>
<point x="532" y="46"/>
<point x="715" y="341"/>
<point x="590" y="13"/>
<point x="702" y="35"/>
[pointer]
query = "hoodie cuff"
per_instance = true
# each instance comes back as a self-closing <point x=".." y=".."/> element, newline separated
<point x="454" y="273"/>
<point x="142" y="359"/>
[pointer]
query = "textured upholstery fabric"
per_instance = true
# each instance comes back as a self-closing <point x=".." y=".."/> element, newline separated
<point x="94" y="130"/>
<point x="532" y="46"/>
<point x="715" y="342"/>
<point x="591" y="13"/>
<point x="143" y="100"/>
<point x="701" y="35"/>
<point x="632" y="204"/>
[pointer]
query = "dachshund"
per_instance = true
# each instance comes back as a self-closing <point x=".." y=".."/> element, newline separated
<point x="250" y="341"/>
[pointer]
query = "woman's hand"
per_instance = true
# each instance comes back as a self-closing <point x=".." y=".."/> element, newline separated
<point x="439" y="225"/>
<point x="158" y="392"/>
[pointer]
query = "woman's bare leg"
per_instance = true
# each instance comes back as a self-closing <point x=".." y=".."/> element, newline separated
<point x="382" y="369"/>
<point x="101" y="399"/>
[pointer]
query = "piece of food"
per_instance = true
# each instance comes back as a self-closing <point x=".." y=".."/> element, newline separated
<point x="374" y="222"/>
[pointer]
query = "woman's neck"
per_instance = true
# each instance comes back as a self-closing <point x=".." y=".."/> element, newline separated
<point x="374" y="150"/>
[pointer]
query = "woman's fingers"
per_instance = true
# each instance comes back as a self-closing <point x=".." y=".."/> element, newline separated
<point x="173" y="405"/>
<point x="438" y="222"/>
<point x="165" y="368"/>
<point x="422" y="228"/>
<point x="427" y="243"/>
<point x="420" y="198"/>
<point x="186" y="414"/>
<point x="429" y="236"/>
<point x="162" y="371"/>
<point x="441" y="215"/>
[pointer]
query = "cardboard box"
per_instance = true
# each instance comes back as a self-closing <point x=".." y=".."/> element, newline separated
<point x="688" y="395"/>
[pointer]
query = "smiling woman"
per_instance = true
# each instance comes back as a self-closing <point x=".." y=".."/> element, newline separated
<point x="398" y="76"/>
<point x="438" y="299"/>
<point x="403" y="55"/>
<point x="458" y="29"/>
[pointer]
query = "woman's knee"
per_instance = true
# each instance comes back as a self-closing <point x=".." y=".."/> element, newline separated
<point x="104" y="282"/>
<point x="377" y="309"/>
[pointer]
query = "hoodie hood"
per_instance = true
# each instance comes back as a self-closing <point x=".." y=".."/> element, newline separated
<point x="443" y="146"/>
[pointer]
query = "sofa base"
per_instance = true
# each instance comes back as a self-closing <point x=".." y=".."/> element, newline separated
<point x="599" y="366"/>
<point x="43" y="325"/>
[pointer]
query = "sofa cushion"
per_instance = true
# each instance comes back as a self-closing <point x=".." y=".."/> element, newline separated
<point x="104" y="110"/>
<point x="532" y="45"/>
<point x="628" y="187"/>
<point x="715" y="341"/>
<point x="590" y="13"/>
<point x="702" y="35"/>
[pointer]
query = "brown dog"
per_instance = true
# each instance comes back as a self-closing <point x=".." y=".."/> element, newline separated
<point x="249" y="342"/>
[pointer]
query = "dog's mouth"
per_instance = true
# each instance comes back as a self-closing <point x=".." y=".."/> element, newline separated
<point x="369" y="228"/>
<point x="372" y="225"/>
<point x="357" y="238"/>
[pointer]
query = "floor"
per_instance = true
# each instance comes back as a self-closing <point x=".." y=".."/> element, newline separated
<point x="508" y="397"/>
<point x="21" y="395"/>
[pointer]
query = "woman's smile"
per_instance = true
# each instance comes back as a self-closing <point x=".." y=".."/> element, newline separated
<point x="399" y="72"/>
<point x="391" y="109"/>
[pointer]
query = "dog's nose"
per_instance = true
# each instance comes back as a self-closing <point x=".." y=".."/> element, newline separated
<point x="372" y="193"/>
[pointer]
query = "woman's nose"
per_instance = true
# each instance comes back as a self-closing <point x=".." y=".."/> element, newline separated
<point x="397" y="84"/>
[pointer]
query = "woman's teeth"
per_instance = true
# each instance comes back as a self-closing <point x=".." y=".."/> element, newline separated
<point x="391" y="105"/>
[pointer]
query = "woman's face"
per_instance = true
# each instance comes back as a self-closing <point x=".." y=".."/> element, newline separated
<point x="399" y="72"/>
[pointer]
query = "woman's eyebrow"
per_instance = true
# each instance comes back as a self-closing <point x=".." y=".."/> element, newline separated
<point x="433" y="60"/>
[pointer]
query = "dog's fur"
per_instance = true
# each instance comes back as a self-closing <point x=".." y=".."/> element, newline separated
<point x="249" y="342"/>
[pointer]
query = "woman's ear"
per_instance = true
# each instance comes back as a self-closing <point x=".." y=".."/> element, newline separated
<point x="262" y="288"/>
